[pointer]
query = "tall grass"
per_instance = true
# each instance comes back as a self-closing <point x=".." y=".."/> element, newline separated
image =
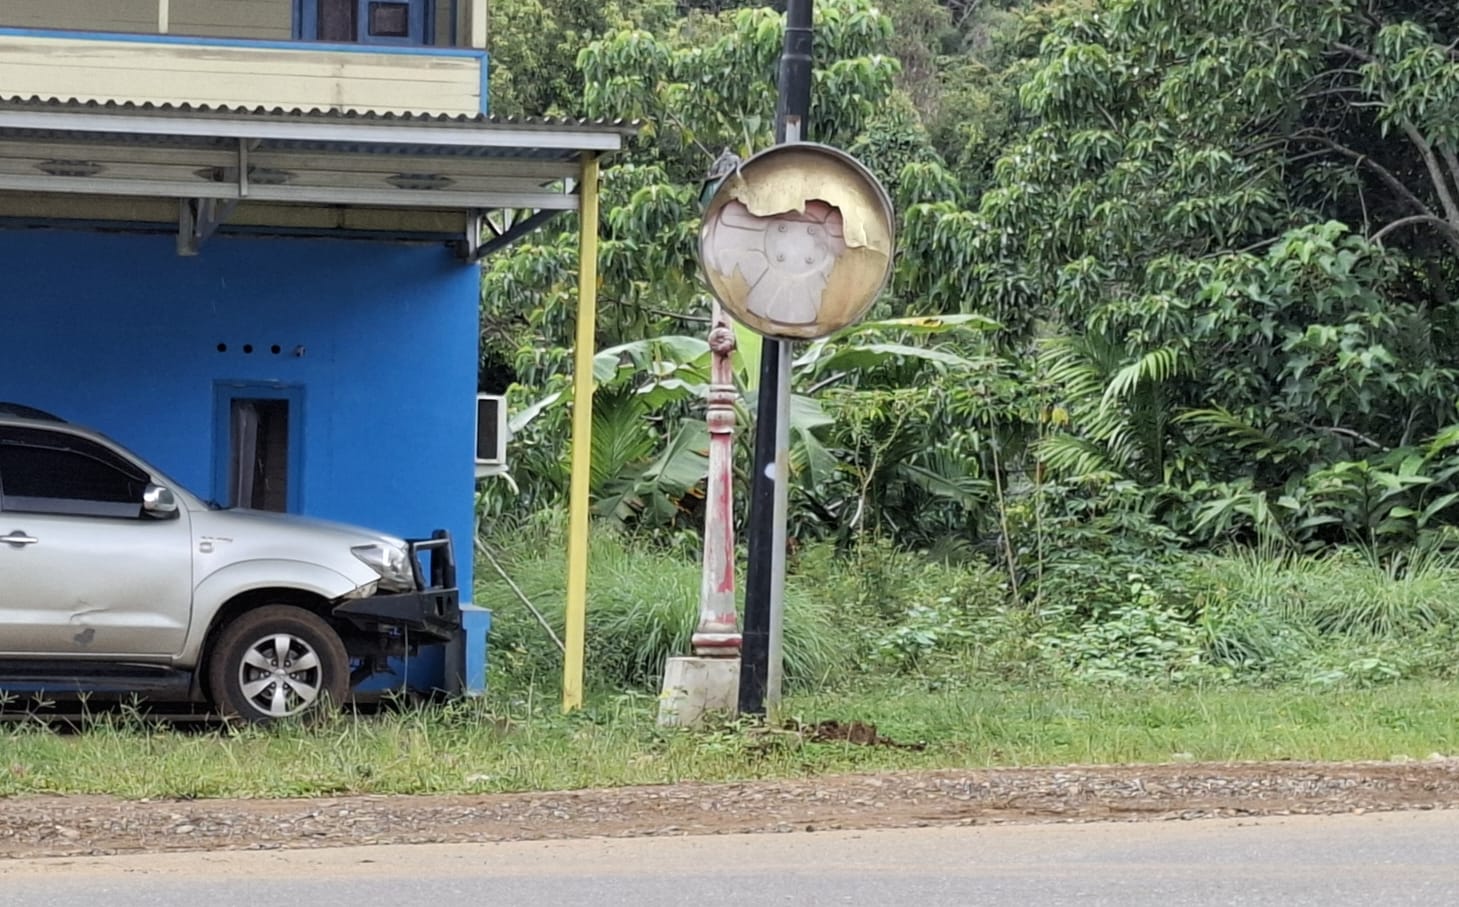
<point x="1346" y="615"/>
<point x="1280" y="656"/>
<point x="1252" y="616"/>
<point x="643" y="606"/>
<point x="1351" y="591"/>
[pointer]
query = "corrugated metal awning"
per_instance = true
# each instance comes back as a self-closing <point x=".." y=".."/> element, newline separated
<point x="270" y="167"/>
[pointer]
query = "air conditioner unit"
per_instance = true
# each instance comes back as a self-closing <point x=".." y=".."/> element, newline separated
<point x="491" y="434"/>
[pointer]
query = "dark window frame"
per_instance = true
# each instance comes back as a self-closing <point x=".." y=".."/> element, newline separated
<point x="314" y="19"/>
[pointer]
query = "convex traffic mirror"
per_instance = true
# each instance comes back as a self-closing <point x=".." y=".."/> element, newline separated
<point x="797" y="242"/>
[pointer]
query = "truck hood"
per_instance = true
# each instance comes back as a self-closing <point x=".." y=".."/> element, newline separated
<point x="256" y="525"/>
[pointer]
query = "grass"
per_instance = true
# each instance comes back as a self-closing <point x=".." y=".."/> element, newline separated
<point x="1250" y="656"/>
<point x="1350" y="592"/>
<point x="473" y="747"/>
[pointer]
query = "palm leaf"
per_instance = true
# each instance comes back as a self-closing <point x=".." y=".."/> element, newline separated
<point x="621" y="438"/>
<point x="869" y="355"/>
<point x="944" y="478"/>
<point x="1078" y="459"/>
<point x="1239" y="433"/>
<point x="1155" y="367"/>
<point x="644" y="355"/>
<point x="808" y="455"/>
<point x="683" y="464"/>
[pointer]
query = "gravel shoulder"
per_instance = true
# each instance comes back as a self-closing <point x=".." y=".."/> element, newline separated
<point x="59" y="826"/>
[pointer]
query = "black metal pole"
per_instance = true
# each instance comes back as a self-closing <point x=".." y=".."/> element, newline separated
<point x="760" y="532"/>
<point x="794" y="107"/>
<point x="791" y="116"/>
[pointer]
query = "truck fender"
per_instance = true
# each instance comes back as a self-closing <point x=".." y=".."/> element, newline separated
<point x="227" y="583"/>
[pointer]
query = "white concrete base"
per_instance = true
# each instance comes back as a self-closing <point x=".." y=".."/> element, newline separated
<point x="696" y="687"/>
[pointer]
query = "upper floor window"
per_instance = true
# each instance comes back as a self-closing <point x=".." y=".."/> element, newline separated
<point x="366" y="21"/>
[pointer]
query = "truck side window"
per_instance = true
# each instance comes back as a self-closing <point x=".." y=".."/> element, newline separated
<point x="55" y="473"/>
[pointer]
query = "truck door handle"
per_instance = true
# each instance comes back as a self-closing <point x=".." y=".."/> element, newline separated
<point x="18" y="538"/>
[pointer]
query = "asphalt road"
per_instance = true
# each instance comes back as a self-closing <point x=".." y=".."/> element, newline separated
<point x="1380" y="859"/>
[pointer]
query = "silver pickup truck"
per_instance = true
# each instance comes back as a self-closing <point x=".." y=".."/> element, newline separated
<point x="115" y="580"/>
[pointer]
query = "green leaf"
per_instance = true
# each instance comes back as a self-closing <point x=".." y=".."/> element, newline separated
<point x="869" y="355"/>
<point x="807" y="414"/>
<point x="522" y="419"/>
<point x="642" y="354"/>
<point x="1437" y="505"/>
<point x="965" y="490"/>
<point x="747" y="356"/>
<point x="683" y="464"/>
<point x="921" y="324"/>
<point x="1155" y="367"/>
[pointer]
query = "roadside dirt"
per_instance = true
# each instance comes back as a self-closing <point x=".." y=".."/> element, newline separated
<point x="50" y="826"/>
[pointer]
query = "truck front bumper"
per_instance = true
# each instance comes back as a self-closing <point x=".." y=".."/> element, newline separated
<point x="431" y="613"/>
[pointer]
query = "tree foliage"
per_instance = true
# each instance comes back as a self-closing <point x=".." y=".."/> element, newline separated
<point x="1212" y="251"/>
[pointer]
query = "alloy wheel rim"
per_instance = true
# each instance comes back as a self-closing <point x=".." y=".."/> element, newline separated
<point x="281" y="675"/>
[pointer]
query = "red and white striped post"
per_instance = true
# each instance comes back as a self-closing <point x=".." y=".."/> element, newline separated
<point x="718" y="634"/>
<point x="708" y="681"/>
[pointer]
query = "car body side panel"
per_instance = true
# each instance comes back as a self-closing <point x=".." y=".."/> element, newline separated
<point x="92" y="588"/>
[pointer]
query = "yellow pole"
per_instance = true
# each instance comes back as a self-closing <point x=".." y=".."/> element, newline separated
<point x="582" y="437"/>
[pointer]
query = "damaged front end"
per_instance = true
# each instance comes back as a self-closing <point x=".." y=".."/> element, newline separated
<point x="416" y="603"/>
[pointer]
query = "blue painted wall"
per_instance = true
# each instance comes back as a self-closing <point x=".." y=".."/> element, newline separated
<point x="120" y="333"/>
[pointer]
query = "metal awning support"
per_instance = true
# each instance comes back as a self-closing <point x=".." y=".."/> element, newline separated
<point x="513" y="233"/>
<point x="200" y="218"/>
<point x="197" y="220"/>
<point x="471" y="243"/>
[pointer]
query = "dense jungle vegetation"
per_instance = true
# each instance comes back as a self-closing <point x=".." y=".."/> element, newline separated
<point x="1164" y="387"/>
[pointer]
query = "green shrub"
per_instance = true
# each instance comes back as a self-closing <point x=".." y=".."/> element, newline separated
<point x="905" y="607"/>
<point x="1111" y="592"/>
<point x="1140" y="632"/>
<point x="1076" y="545"/>
<point x="922" y="631"/>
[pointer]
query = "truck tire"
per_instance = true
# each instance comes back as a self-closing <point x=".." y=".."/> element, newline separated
<point x="277" y="662"/>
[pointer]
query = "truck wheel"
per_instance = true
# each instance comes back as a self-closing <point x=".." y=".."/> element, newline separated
<point x="277" y="662"/>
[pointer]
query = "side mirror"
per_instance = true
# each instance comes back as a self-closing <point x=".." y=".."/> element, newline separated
<point x="159" y="502"/>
